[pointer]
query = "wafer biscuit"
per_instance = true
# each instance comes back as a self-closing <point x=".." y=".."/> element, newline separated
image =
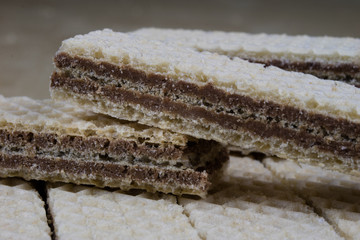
<point x="89" y="213"/>
<point x="288" y="114"/>
<point x="249" y="206"/>
<point x="58" y="142"/>
<point x="325" y="57"/>
<point x="22" y="212"/>
<point x="333" y="195"/>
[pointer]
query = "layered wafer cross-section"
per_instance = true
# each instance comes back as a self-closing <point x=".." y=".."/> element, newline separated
<point x="210" y="96"/>
<point x="325" y="57"/>
<point x="58" y="142"/>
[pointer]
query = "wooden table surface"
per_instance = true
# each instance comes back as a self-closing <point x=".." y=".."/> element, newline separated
<point x="32" y="31"/>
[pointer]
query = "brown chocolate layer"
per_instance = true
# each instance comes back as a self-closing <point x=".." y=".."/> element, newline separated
<point x="264" y="129"/>
<point x="110" y="150"/>
<point x="208" y="92"/>
<point x="45" y="141"/>
<point x="342" y="69"/>
<point x="100" y="170"/>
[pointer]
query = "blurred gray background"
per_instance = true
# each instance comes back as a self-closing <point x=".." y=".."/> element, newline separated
<point x="32" y="31"/>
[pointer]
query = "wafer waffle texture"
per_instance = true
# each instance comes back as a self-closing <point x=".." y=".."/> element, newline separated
<point x="325" y="57"/>
<point x="89" y="213"/>
<point x="58" y="142"/>
<point x="252" y="204"/>
<point x="22" y="212"/>
<point x="249" y="204"/>
<point x="333" y="195"/>
<point x="288" y="114"/>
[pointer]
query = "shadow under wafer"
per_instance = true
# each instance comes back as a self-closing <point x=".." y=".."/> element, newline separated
<point x="334" y="195"/>
<point x="22" y="212"/>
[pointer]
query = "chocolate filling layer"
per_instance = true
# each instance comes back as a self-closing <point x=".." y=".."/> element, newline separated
<point x="262" y="129"/>
<point x="345" y="72"/>
<point x="349" y="131"/>
<point x="100" y="170"/>
<point x="341" y="68"/>
<point x="106" y="149"/>
<point x="342" y="71"/>
<point x="208" y="92"/>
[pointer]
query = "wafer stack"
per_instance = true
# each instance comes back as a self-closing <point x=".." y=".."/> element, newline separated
<point x="188" y="99"/>
<point x="249" y="203"/>
<point x="51" y="141"/>
<point x="209" y="96"/>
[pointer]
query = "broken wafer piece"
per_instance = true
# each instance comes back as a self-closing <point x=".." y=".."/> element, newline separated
<point x="325" y="57"/>
<point x="80" y="212"/>
<point x="22" y="211"/>
<point x="246" y="105"/>
<point x="58" y="142"/>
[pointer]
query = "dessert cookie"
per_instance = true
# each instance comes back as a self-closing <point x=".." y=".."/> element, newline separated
<point x="209" y="96"/>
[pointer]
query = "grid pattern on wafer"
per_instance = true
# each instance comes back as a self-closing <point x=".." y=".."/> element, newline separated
<point x="311" y="178"/>
<point x="22" y="211"/>
<point x="90" y="213"/>
<point x="245" y="167"/>
<point x="61" y="118"/>
<point x="343" y="213"/>
<point x="335" y="196"/>
<point x="251" y="206"/>
<point x="324" y="48"/>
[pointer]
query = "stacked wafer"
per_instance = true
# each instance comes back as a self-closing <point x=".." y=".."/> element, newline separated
<point x="51" y="141"/>
<point x="249" y="203"/>
<point x="210" y="96"/>
<point x="188" y="100"/>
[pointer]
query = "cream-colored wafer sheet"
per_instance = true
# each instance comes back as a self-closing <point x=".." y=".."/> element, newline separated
<point x="22" y="211"/>
<point x="27" y="114"/>
<point x="89" y="213"/>
<point x="241" y="168"/>
<point x="263" y="46"/>
<point x="311" y="178"/>
<point x="232" y="75"/>
<point x="334" y="195"/>
<point x="252" y="204"/>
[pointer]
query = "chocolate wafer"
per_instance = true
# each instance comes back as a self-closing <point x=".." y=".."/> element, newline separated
<point x="59" y="142"/>
<point x="325" y="57"/>
<point x="210" y="96"/>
